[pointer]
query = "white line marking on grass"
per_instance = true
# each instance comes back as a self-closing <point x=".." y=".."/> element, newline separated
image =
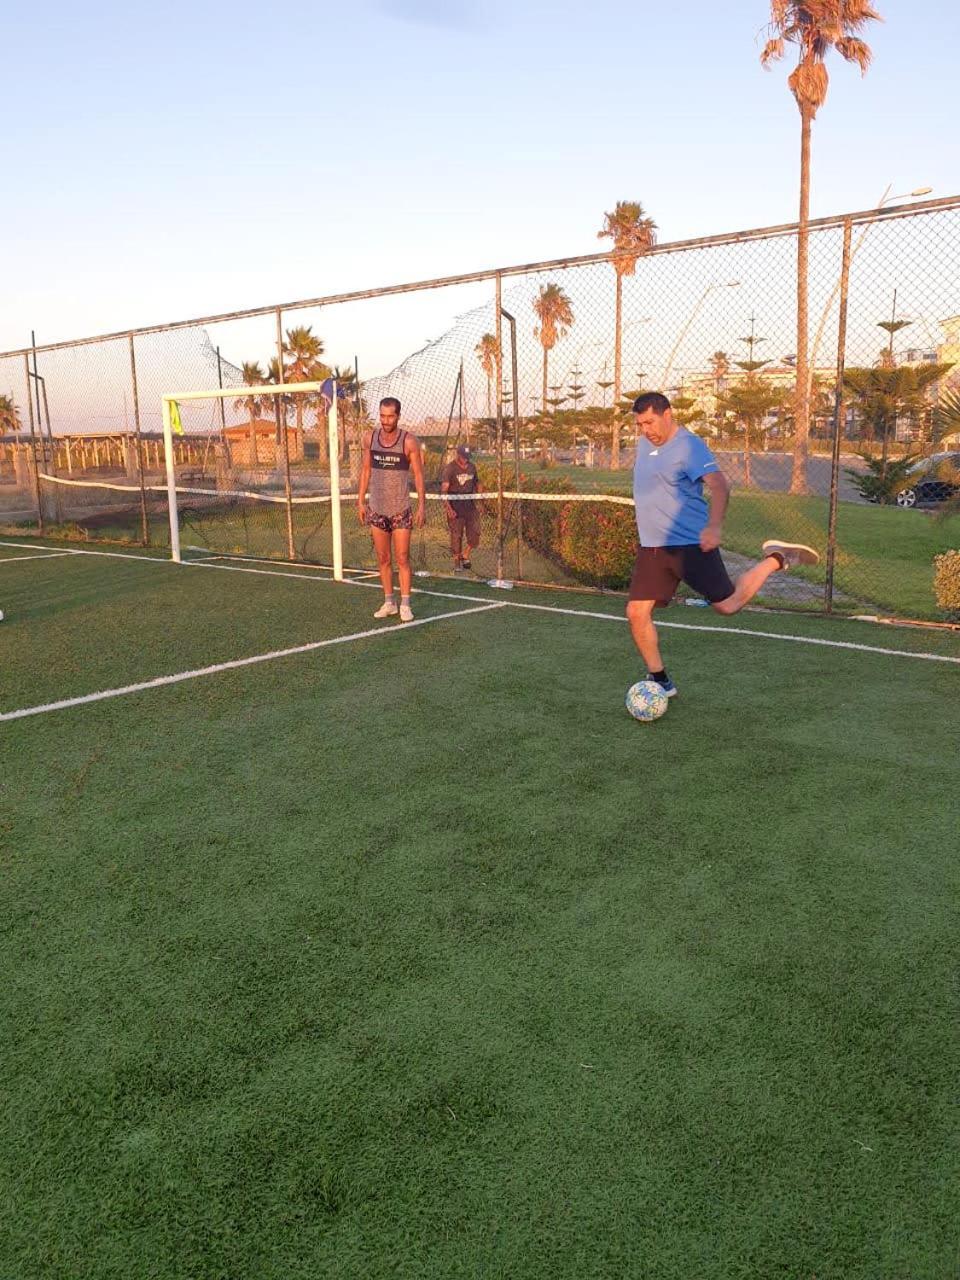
<point x="47" y="555"/>
<point x="515" y="604"/>
<point x="618" y="617"/>
<point x="101" y="695"/>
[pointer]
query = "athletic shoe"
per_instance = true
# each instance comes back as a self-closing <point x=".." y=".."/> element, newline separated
<point x="668" y="687"/>
<point x="467" y="564"/>
<point x="406" y="613"/>
<point x="387" y="610"/>
<point x="791" y="553"/>
<point x="457" y="566"/>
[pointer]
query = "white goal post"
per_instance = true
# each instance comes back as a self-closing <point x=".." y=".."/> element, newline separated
<point x="171" y="402"/>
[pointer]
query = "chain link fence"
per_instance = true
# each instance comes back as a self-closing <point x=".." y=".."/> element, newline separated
<point x="536" y="368"/>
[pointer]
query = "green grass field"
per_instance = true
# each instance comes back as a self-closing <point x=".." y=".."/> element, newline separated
<point x="414" y="956"/>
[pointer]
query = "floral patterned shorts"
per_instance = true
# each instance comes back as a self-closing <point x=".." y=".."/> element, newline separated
<point x="403" y="520"/>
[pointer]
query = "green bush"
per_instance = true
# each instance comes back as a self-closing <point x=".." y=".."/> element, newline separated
<point x="598" y="542"/>
<point x="946" y="581"/>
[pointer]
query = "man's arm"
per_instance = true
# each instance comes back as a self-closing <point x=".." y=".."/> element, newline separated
<point x="718" y="488"/>
<point x="364" y="478"/>
<point x="416" y="462"/>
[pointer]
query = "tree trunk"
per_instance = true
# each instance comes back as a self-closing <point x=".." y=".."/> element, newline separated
<point x="747" y="478"/>
<point x="489" y="394"/>
<point x="543" y="408"/>
<point x="801" y="402"/>
<point x="617" y="365"/>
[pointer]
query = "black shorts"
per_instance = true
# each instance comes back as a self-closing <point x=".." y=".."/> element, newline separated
<point x="658" y="571"/>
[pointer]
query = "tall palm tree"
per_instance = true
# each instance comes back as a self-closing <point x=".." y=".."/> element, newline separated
<point x="347" y="407"/>
<point x="301" y="363"/>
<point x="632" y="235"/>
<point x="815" y="27"/>
<point x="253" y="376"/>
<point x="554" y="310"/>
<point x="9" y="416"/>
<point x="488" y="353"/>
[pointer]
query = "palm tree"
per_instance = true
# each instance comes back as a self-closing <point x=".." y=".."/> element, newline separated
<point x="9" y="416"/>
<point x="253" y="376"/>
<point x="554" y="310"/>
<point x="347" y="410"/>
<point x="488" y="353"/>
<point x="815" y="27"/>
<point x="632" y="235"/>
<point x="301" y="363"/>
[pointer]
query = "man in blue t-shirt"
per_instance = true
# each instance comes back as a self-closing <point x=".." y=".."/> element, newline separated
<point x="680" y="534"/>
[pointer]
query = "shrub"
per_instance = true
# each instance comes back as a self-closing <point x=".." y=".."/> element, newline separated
<point x="598" y="542"/>
<point x="946" y="581"/>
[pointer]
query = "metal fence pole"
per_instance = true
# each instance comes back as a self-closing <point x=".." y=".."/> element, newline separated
<point x="33" y="445"/>
<point x="511" y="320"/>
<point x="144" y="525"/>
<point x="336" y="527"/>
<point x="281" y="416"/>
<point x="498" y="281"/>
<point x="838" y="417"/>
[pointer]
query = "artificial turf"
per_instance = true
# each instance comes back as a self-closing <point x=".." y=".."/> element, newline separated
<point x="416" y="956"/>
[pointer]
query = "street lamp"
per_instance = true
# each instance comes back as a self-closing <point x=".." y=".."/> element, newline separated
<point x="717" y="284"/>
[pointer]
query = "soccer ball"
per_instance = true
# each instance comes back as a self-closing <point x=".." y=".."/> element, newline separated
<point x="646" y="700"/>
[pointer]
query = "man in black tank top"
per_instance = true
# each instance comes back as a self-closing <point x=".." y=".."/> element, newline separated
<point x="389" y="455"/>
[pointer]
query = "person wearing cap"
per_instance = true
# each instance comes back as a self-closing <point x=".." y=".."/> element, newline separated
<point x="460" y="480"/>
<point x="680" y="535"/>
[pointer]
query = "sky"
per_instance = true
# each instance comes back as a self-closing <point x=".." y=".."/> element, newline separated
<point x="165" y="162"/>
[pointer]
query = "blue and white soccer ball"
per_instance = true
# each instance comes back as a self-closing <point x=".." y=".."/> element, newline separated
<point x="646" y="700"/>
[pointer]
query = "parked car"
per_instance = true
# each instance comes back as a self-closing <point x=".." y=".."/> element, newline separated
<point x="937" y="480"/>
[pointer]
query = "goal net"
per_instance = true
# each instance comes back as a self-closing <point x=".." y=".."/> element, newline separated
<point x="261" y="474"/>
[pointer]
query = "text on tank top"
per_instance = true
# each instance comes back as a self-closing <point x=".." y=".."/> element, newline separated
<point x="389" y="475"/>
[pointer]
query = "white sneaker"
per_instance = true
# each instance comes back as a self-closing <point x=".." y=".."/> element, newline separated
<point x="406" y="613"/>
<point x="387" y="610"/>
<point x="791" y="553"/>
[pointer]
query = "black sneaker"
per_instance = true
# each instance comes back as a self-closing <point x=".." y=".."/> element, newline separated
<point x="668" y="687"/>
<point x="466" y="564"/>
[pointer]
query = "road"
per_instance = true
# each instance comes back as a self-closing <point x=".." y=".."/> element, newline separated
<point x="771" y="472"/>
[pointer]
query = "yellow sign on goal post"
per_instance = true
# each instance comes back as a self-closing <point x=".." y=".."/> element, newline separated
<point x="170" y="407"/>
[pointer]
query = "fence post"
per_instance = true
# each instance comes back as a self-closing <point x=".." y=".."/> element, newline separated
<point x="33" y="447"/>
<point x="838" y="416"/>
<point x="336" y="529"/>
<point x="281" y="417"/>
<point x="144" y="527"/>
<point x="498" y="284"/>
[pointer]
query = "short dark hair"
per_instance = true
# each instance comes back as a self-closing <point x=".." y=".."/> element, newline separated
<point x="651" y="400"/>
<point x="392" y="401"/>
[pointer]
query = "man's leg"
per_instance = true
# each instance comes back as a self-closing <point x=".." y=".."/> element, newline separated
<point x="640" y="617"/>
<point x="747" y="585"/>
<point x="781" y="556"/>
<point x="472" y="529"/>
<point x="453" y="524"/>
<point x="401" y="550"/>
<point x="381" y="545"/>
